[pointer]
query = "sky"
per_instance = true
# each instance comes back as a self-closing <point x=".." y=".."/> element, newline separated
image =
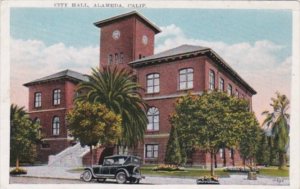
<point x="255" y="43"/>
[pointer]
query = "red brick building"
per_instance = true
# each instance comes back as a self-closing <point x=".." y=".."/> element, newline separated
<point x="127" y="40"/>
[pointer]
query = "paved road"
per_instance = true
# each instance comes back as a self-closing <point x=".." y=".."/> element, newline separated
<point x="49" y="175"/>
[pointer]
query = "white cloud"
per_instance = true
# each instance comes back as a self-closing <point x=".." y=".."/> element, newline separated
<point x="257" y="63"/>
<point x="32" y="59"/>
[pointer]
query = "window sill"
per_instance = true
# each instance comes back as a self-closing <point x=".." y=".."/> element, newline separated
<point x="151" y="93"/>
<point x="187" y="89"/>
<point x="152" y="131"/>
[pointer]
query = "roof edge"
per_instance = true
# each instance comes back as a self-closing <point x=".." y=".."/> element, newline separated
<point x="101" y="23"/>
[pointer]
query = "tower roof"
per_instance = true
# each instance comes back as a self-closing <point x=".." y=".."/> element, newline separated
<point x="189" y="51"/>
<point x="122" y="16"/>
<point x="66" y="74"/>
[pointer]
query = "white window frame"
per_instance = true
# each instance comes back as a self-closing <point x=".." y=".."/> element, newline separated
<point x="151" y="150"/>
<point x="153" y="119"/>
<point x="212" y="80"/>
<point x="186" y="78"/>
<point x="221" y="84"/>
<point x="153" y="83"/>
<point x="37" y="99"/>
<point x="56" y="96"/>
<point x="55" y="125"/>
<point x="229" y="89"/>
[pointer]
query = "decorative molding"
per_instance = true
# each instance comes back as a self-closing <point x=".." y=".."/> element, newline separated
<point x="47" y="110"/>
<point x="48" y="139"/>
<point x="162" y="135"/>
<point x="171" y="96"/>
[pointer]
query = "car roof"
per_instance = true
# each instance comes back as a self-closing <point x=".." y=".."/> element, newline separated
<point x="122" y="156"/>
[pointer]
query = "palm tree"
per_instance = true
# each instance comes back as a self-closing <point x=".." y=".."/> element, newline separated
<point x="278" y="122"/>
<point x="117" y="89"/>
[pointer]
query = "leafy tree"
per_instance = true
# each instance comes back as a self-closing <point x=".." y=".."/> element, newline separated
<point x="93" y="123"/>
<point x="278" y="121"/>
<point x="23" y="136"/>
<point x="117" y="89"/>
<point x="250" y="137"/>
<point x="184" y="118"/>
<point x="210" y="121"/>
<point x="264" y="150"/>
<point x="173" y="153"/>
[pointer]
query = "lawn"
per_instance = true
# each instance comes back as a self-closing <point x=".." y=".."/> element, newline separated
<point x="188" y="172"/>
<point x="197" y="172"/>
<point x="274" y="171"/>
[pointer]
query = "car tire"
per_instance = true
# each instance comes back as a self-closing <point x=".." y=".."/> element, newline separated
<point x="87" y="176"/>
<point x="121" y="177"/>
<point x="101" y="180"/>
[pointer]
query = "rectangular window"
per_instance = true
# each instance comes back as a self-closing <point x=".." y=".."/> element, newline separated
<point x="221" y="152"/>
<point x="153" y="83"/>
<point x="186" y="78"/>
<point x="116" y="58"/>
<point x="237" y="93"/>
<point x="37" y="100"/>
<point x="110" y="59"/>
<point x="121" y="58"/>
<point x="45" y="145"/>
<point x="221" y="84"/>
<point x="229" y="89"/>
<point x="56" y="97"/>
<point x="211" y="80"/>
<point x="151" y="151"/>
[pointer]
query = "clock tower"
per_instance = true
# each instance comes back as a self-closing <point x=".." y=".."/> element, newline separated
<point x="125" y="38"/>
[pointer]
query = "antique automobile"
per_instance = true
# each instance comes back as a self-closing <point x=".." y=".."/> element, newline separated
<point x="123" y="168"/>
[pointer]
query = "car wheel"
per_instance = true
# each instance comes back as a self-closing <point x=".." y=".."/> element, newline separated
<point x="121" y="177"/>
<point x="87" y="176"/>
<point x="137" y="181"/>
<point x="132" y="180"/>
<point x="101" y="180"/>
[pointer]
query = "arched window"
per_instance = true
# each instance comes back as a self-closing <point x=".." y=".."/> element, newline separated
<point x="153" y="83"/>
<point x="55" y="125"/>
<point x="186" y="77"/>
<point x="211" y="80"/>
<point x="229" y="89"/>
<point x="153" y="119"/>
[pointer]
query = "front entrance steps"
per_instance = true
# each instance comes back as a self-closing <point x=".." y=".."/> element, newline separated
<point x="70" y="157"/>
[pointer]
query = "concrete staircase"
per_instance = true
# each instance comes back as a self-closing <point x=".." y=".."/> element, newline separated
<point x="70" y="157"/>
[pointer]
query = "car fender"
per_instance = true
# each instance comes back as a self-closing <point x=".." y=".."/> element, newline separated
<point x="90" y="169"/>
<point x="124" y="170"/>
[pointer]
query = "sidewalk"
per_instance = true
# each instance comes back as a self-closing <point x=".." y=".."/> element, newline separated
<point x="63" y="173"/>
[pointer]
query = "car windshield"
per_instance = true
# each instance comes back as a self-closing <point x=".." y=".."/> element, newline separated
<point x="133" y="160"/>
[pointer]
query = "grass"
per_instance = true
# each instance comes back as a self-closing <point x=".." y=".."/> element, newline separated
<point x="197" y="172"/>
<point x="188" y="172"/>
<point x="274" y="171"/>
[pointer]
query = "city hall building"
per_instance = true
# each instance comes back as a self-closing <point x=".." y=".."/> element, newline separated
<point x="127" y="40"/>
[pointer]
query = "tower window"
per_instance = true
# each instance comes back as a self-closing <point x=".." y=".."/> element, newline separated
<point x="153" y="83"/>
<point x="37" y="100"/>
<point x="186" y="78"/>
<point x="56" y="97"/>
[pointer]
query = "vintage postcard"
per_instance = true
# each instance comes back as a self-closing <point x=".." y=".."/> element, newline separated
<point x="136" y="93"/>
